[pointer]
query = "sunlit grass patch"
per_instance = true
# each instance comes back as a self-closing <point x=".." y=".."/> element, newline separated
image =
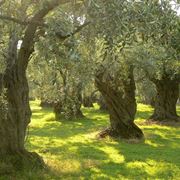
<point x="143" y="112"/>
<point x="65" y="166"/>
<point x="154" y="169"/>
<point x="72" y="151"/>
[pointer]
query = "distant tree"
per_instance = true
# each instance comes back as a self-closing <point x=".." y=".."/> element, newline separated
<point x="42" y="78"/>
<point x="145" y="89"/>
<point x="68" y="70"/>
<point x="102" y="103"/>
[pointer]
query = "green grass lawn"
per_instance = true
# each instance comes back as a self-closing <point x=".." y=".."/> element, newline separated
<point x="72" y="150"/>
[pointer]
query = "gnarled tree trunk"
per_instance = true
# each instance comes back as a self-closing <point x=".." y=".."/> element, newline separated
<point x="13" y="127"/>
<point x="166" y="99"/>
<point x="102" y="104"/>
<point x="18" y="111"/>
<point x="121" y="105"/>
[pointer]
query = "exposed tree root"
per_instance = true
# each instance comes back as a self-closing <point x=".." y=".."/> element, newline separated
<point x="10" y="163"/>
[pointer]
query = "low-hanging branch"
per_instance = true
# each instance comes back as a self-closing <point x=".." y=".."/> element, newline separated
<point x="18" y="21"/>
<point x="62" y="36"/>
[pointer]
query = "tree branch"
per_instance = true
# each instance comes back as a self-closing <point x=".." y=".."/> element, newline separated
<point x="27" y="46"/>
<point x="37" y="20"/>
<point x="78" y="29"/>
<point x="48" y="5"/>
<point x="18" y="21"/>
<point x="28" y="40"/>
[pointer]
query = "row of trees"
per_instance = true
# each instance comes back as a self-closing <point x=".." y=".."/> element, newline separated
<point x="105" y="41"/>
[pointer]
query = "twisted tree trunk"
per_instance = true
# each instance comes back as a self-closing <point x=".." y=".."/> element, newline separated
<point x="19" y="112"/>
<point x="13" y="127"/>
<point x="102" y="104"/>
<point x="166" y="99"/>
<point x="121" y="105"/>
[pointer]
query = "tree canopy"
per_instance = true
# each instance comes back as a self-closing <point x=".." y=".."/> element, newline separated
<point x="70" y="53"/>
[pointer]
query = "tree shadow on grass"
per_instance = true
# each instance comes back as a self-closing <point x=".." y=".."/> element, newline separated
<point x="147" y="161"/>
<point x="157" y="157"/>
<point x="141" y="160"/>
<point x="161" y="145"/>
<point x="66" y="128"/>
<point x="95" y="162"/>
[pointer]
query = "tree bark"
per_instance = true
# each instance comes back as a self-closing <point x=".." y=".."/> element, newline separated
<point x="166" y="99"/>
<point x="19" y="112"/>
<point x="121" y="105"/>
<point x="14" y="124"/>
<point x="87" y="101"/>
<point x="102" y="104"/>
<point x="13" y="128"/>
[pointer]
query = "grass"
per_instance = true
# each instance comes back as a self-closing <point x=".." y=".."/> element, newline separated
<point x="72" y="151"/>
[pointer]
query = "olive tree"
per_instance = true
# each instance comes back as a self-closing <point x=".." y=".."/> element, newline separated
<point x="27" y="18"/>
<point x="114" y="32"/>
<point x="67" y="64"/>
<point x="157" y="54"/>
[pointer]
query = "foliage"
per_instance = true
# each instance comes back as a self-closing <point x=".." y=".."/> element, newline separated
<point x="142" y="34"/>
<point x="114" y="31"/>
<point x="157" y="50"/>
<point x="63" y="71"/>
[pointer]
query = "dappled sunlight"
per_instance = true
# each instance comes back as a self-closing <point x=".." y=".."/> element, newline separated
<point x="65" y="166"/>
<point x="114" y="154"/>
<point x="149" y="142"/>
<point x="143" y="112"/>
<point x="153" y="168"/>
<point x="96" y="114"/>
<point x="71" y="148"/>
<point x="144" y="108"/>
<point x="162" y="136"/>
<point x="178" y="110"/>
<point x="158" y="168"/>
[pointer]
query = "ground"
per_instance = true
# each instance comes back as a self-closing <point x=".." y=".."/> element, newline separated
<point x="72" y="150"/>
